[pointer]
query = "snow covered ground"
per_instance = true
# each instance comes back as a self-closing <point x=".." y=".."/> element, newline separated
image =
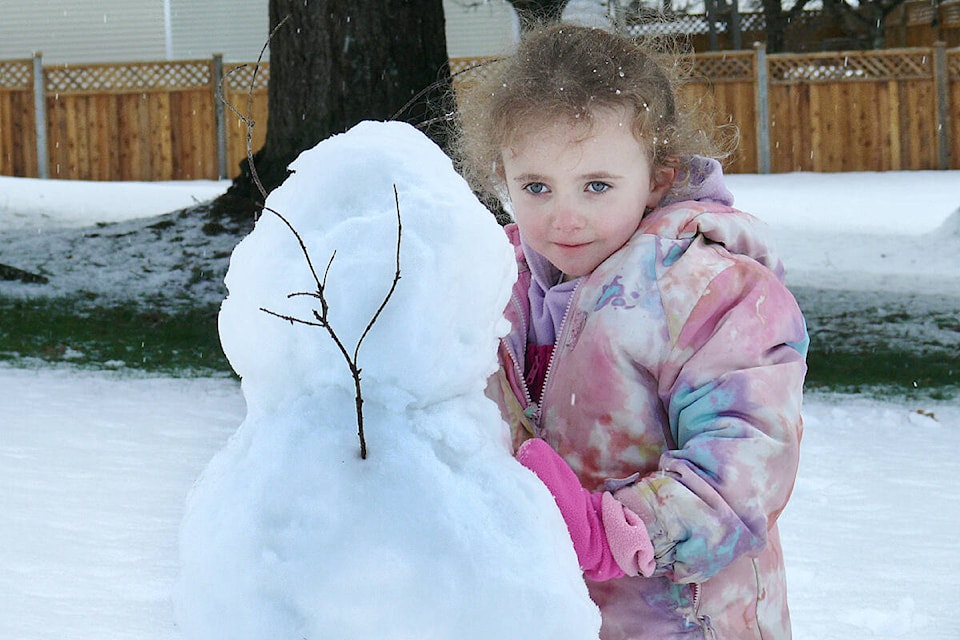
<point x="95" y="467"/>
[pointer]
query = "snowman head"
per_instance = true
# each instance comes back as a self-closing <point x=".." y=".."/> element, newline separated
<point x="435" y="338"/>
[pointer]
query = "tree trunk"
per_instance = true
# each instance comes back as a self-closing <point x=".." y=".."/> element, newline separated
<point x="775" y="25"/>
<point x="334" y="63"/>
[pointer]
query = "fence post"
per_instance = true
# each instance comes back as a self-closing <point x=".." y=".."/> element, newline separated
<point x="220" y="116"/>
<point x="762" y="92"/>
<point x="942" y="79"/>
<point x="40" y="116"/>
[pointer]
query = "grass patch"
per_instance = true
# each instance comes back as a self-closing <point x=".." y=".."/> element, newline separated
<point x="184" y="342"/>
<point x="178" y="342"/>
<point x="885" y="372"/>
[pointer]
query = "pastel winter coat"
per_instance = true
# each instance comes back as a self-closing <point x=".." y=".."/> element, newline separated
<point x="676" y="383"/>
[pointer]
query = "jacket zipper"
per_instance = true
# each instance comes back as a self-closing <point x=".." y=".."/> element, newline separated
<point x="528" y="408"/>
<point x="560" y="340"/>
<point x="704" y="621"/>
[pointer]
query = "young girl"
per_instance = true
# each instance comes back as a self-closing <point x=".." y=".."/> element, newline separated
<point x="654" y="370"/>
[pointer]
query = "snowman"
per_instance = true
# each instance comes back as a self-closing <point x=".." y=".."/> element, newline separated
<point x="437" y="532"/>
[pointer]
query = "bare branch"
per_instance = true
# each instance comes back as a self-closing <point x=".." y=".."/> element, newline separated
<point x="321" y="318"/>
<point x="396" y="276"/>
<point x="291" y="319"/>
<point x="247" y="118"/>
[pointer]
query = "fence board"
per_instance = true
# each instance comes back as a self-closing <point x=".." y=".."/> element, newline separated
<point x="192" y="135"/>
<point x="851" y="93"/>
<point x="953" y="94"/>
<point x="890" y="116"/>
<point x="18" y="137"/>
<point x="725" y="81"/>
<point x="918" y="129"/>
<point x="17" y="125"/>
<point x="158" y="109"/>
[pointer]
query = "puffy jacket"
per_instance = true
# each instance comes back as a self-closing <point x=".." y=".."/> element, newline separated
<point x="676" y="382"/>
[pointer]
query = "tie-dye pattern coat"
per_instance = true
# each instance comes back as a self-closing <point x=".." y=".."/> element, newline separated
<point x="678" y="370"/>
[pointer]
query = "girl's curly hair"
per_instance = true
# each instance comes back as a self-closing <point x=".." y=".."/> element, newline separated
<point x="569" y="72"/>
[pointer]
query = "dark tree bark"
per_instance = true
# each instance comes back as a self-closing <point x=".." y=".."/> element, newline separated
<point x="776" y="21"/>
<point x="334" y="63"/>
<point x="865" y="21"/>
<point x="862" y="23"/>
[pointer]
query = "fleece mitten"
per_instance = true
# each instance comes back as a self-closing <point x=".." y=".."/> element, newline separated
<point x="610" y="540"/>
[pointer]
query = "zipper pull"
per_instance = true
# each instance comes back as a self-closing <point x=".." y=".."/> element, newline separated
<point x="531" y="415"/>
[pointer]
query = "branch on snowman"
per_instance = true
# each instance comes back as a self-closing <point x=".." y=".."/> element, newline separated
<point x="322" y="317"/>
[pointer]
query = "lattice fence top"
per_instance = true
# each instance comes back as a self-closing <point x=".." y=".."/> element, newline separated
<point x="239" y="77"/>
<point x="16" y="74"/>
<point x="852" y="66"/>
<point x="720" y="67"/>
<point x="124" y="78"/>
<point x="953" y="64"/>
<point x="731" y="67"/>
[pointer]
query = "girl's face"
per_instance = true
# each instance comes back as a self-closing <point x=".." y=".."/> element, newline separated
<point x="579" y="192"/>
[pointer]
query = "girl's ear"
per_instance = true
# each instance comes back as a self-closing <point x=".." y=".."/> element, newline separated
<point x="660" y="182"/>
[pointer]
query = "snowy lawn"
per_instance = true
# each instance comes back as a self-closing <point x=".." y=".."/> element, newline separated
<point x="95" y="467"/>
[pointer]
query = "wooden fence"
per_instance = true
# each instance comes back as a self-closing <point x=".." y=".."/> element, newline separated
<point x="848" y="111"/>
<point x="131" y="121"/>
<point x="877" y="110"/>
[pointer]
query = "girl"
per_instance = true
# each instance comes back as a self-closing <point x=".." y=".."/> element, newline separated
<point x="654" y="370"/>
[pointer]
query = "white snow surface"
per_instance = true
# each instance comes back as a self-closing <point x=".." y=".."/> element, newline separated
<point x="41" y="205"/>
<point x="95" y="468"/>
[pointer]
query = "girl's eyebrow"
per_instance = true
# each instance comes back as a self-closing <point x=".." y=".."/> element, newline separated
<point x="586" y="177"/>
<point x="600" y="175"/>
<point x="529" y="177"/>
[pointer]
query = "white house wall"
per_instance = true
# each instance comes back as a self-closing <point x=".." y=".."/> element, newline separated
<point x="236" y="28"/>
<point x="82" y="31"/>
<point x="487" y="28"/>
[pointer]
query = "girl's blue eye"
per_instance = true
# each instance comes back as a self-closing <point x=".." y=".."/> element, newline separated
<point x="597" y="187"/>
<point x="536" y="188"/>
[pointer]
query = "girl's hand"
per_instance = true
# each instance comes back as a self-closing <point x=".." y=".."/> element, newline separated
<point x="610" y="540"/>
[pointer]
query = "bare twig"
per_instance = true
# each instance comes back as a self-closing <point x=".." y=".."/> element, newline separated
<point x="247" y="118"/>
<point x="396" y="275"/>
<point x="449" y="116"/>
<point x="322" y="319"/>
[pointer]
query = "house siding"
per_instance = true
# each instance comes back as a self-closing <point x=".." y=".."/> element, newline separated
<point x="487" y="29"/>
<point x="81" y="31"/>
<point x="238" y="30"/>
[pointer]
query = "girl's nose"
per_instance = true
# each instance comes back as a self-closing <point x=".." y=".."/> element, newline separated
<point x="566" y="217"/>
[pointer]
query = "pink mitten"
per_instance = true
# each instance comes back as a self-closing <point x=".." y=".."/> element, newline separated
<point x="610" y="540"/>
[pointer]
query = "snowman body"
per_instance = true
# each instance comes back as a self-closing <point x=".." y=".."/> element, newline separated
<point x="439" y="532"/>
